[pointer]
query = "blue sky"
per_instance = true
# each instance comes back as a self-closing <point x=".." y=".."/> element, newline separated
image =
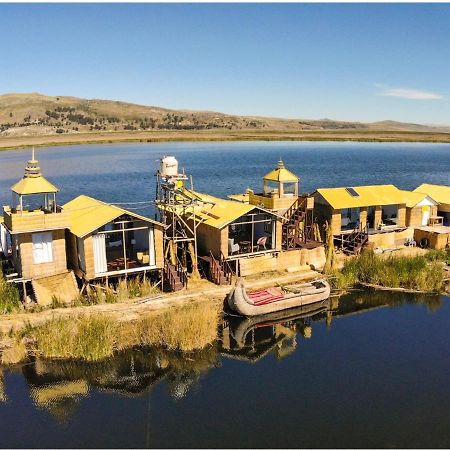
<point x="352" y="62"/>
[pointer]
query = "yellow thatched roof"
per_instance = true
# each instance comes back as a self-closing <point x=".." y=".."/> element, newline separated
<point x="87" y="214"/>
<point x="33" y="182"/>
<point x="243" y="198"/>
<point x="438" y="192"/>
<point x="380" y="195"/>
<point x="39" y="185"/>
<point x="281" y="174"/>
<point x="217" y="212"/>
<point x="413" y="198"/>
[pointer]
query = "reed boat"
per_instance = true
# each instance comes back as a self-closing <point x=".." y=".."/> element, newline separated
<point x="273" y="299"/>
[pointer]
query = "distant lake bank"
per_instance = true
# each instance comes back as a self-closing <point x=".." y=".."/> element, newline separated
<point x="13" y="142"/>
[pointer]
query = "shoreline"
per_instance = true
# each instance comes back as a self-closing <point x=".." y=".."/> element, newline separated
<point x="13" y="143"/>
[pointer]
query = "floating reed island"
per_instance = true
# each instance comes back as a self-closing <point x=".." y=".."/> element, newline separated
<point x="88" y="252"/>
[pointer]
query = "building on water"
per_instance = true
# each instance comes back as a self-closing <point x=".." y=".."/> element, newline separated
<point x="44" y="245"/>
<point x="254" y="232"/>
<point x="441" y="194"/>
<point x="105" y="241"/>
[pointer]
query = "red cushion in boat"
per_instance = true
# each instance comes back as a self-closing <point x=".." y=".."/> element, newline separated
<point x="265" y="296"/>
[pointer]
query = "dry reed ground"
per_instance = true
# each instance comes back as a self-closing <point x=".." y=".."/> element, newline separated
<point x="94" y="337"/>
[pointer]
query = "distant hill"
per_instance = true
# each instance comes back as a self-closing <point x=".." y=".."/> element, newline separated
<point x="37" y="115"/>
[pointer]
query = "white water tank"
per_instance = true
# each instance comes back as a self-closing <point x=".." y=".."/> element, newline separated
<point x="169" y="166"/>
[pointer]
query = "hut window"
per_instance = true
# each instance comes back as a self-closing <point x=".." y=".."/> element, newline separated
<point x="42" y="247"/>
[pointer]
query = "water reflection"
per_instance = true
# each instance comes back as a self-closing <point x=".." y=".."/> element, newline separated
<point x="59" y="387"/>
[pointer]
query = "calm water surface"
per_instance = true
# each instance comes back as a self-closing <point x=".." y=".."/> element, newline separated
<point x="370" y="370"/>
<point x="125" y="172"/>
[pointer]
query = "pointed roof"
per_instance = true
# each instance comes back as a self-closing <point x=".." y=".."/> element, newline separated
<point x="33" y="182"/>
<point x="281" y="174"/>
<point x="413" y="198"/>
<point x="439" y="192"/>
<point x="87" y="214"/>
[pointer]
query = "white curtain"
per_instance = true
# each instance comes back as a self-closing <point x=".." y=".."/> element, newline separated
<point x="151" y="246"/>
<point x="42" y="247"/>
<point x="3" y="241"/>
<point x="99" y="253"/>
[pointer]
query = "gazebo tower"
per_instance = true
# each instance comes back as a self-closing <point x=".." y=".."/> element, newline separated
<point x="36" y="226"/>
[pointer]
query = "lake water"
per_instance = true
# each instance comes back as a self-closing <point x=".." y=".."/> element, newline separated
<point x="125" y="172"/>
<point x="369" y="370"/>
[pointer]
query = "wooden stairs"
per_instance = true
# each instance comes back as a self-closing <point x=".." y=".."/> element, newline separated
<point x="352" y="243"/>
<point x="175" y="278"/>
<point x="297" y="229"/>
<point x="216" y="270"/>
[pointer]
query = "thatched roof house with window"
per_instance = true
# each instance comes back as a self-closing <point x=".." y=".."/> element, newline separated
<point x="105" y="240"/>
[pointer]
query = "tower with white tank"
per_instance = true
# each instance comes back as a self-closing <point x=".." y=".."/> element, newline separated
<point x="176" y="205"/>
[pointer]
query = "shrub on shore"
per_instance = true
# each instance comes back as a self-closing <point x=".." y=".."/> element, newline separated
<point x="9" y="296"/>
<point x="408" y="272"/>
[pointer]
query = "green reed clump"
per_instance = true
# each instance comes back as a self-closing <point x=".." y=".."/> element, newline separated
<point x="409" y="272"/>
<point x="95" y="337"/>
<point x="187" y="328"/>
<point x="9" y="296"/>
<point x="439" y="255"/>
<point x="87" y="337"/>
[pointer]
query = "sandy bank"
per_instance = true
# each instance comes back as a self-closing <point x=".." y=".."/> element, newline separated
<point x="8" y="143"/>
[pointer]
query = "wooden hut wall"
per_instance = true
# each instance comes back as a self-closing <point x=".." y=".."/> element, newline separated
<point x="59" y="263"/>
<point x="401" y="216"/>
<point x="89" y="257"/>
<point x="159" y="246"/>
<point x="211" y="239"/>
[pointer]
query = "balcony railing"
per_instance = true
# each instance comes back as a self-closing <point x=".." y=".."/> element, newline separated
<point x="36" y="220"/>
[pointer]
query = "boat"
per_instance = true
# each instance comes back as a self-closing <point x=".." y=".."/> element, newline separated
<point x="273" y="299"/>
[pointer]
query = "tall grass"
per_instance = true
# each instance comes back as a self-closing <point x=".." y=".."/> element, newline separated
<point x="87" y="337"/>
<point x="409" y="272"/>
<point x="186" y="329"/>
<point x="95" y="337"/>
<point x="9" y="296"/>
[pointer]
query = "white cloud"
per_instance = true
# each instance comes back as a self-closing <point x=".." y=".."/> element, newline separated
<point x="410" y="94"/>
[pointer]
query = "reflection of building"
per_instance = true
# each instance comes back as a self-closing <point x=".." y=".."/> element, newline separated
<point x="58" y="386"/>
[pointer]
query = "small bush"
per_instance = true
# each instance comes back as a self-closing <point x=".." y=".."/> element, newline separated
<point x="9" y="296"/>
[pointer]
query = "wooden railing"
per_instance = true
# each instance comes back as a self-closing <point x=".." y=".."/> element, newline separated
<point x="226" y="267"/>
<point x="299" y="203"/>
<point x="220" y="268"/>
<point x="175" y="274"/>
<point x="181" y="272"/>
<point x="358" y="236"/>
